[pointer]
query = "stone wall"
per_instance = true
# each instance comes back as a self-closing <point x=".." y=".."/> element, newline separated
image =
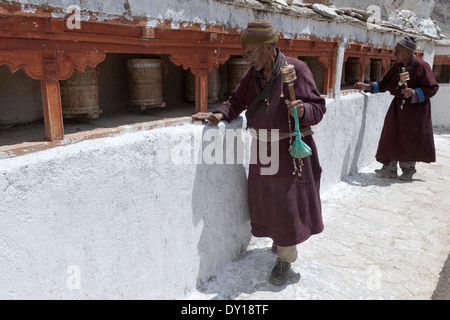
<point x="422" y="8"/>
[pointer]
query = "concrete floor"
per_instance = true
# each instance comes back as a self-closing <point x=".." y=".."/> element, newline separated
<point x="383" y="239"/>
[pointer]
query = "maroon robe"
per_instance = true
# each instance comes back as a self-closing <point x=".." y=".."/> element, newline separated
<point x="283" y="206"/>
<point x="407" y="134"/>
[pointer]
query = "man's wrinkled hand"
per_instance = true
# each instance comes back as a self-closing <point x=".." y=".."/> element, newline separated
<point x="360" y="86"/>
<point x="407" y="93"/>
<point x="212" y="119"/>
<point x="296" y="103"/>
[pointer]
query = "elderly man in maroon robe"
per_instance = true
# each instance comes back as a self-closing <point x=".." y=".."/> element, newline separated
<point x="407" y="135"/>
<point x="284" y="206"/>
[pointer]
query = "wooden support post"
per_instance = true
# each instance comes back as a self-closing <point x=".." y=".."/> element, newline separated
<point x="201" y="92"/>
<point x="327" y="63"/>
<point x="200" y="65"/>
<point x="51" y="103"/>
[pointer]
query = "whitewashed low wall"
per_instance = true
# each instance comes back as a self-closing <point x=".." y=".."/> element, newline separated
<point x="143" y="215"/>
<point x="347" y="137"/>
<point x="440" y="107"/>
<point x="114" y="218"/>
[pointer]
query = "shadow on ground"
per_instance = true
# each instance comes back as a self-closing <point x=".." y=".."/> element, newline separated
<point x="247" y="275"/>
<point x="442" y="291"/>
<point x="365" y="179"/>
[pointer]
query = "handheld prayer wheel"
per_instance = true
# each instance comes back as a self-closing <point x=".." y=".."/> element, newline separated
<point x="144" y="84"/>
<point x="404" y="77"/>
<point x="288" y="77"/>
<point x="79" y="95"/>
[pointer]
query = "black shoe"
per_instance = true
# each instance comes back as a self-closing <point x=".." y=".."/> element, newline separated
<point x="280" y="272"/>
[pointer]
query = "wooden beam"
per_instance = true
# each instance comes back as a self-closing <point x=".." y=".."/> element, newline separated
<point x="201" y="92"/>
<point x="51" y="103"/>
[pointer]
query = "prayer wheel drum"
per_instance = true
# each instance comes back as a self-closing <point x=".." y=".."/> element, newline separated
<point x="376" y="70"/>
<point x="144" y="84"/>
<point x="79" y="95"/>
<point x="189" y="85"/>
<point x="437" y="71"/>
<point x="367" y="73"/>
<point x="236" y="70"/>
<point x="352" y="71"/>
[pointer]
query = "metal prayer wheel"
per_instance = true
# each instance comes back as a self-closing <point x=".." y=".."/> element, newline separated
<point x="376" y="70"/>
<point x="144" y="84"/>
<point x="213" y="87"/>
<point x="437" y="71"/>
<point x="237" y="67"/>
<point x="288" y="75"/>
<point x="352" y="70"/>
<point x="404" y="77"/>
<point x="79" y="95"/>
<point x="367" y="73"/>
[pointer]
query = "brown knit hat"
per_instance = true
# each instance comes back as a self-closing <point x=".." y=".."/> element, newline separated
<point x="409" y="42"/>
<point x="259" y="32"/>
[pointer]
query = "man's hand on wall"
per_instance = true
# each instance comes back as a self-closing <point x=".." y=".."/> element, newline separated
<point x="213" y="119"/>
<point x="360" y="86"/>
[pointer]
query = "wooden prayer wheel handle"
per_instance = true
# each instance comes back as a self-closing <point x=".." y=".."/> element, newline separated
<point x="291" y="91"/>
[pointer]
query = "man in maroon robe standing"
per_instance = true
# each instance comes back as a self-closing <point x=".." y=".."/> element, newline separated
<point x="283" y="206"/>
<point x="407" y="135"/>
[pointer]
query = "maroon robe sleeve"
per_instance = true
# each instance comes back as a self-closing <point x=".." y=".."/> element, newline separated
<point x="424" y="82"/>
<point x="383" y="84"/>
<point x="427" y="85"/>
<point x="306" y="90"/>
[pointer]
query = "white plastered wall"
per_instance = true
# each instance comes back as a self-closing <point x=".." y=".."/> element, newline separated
<point x="121" y="216"/>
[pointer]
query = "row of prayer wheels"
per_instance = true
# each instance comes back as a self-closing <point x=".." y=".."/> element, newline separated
<point x="79" y="93"/>
<point x="352" y="72"/>
<point x="441" y="73"/>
